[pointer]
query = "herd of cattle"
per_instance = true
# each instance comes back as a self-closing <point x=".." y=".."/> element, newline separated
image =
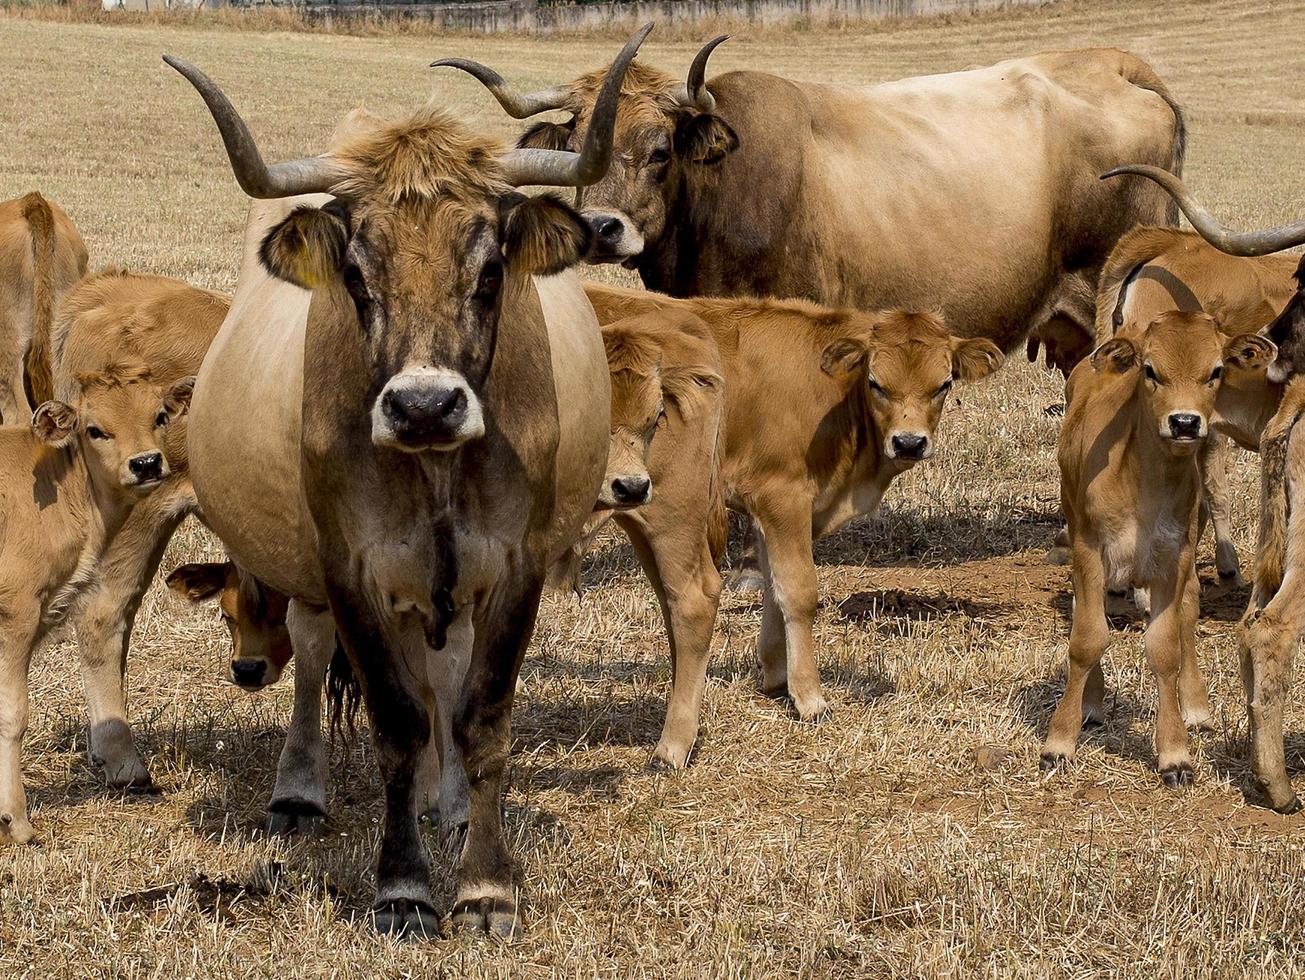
<point x="412" y="413"/>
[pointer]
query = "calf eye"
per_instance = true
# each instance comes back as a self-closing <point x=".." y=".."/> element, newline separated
<point x="95" y="432"/>
<point x="1216" y="374"/>
<point x="1150" y="374"/>
<point x="945" y="387"/>
<point x="874" y="386"/>
<point x="161" y="420"/>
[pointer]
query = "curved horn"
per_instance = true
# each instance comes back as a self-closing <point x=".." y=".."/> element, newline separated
<point x="1232" y="242"/>
<point x="564" y="168"/>
<point x="518" y="105"/>
<point x="694" y="92"/>
<point x="310" y="175"/>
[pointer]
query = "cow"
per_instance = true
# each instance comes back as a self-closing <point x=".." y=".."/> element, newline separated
<point x="42" y="256"/>
<point x="1137" y="412"/>
<point x="972" y="193"/>
<point x="166" y="326"/>
<point x="401" y="424"/>
<point x="1275" y="616"/>
<point x="67" y="485"/>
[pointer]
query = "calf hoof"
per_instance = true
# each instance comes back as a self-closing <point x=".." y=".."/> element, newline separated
<point x="1179" y="775"/>
<point x="406" y="918"/>
<point x="667" y="758"/>
<point x="744" y="579"/>
<point x="1292" y="806"/>
<point x="1057" y="555"/>
<point x="15" y="828"/>
<point x="1053" y="761"/>
<point x="488" y="915"/>
<point x="813" y="708"/>
<point x="295" y="818"/>
<point x="130" y="777"/>
<point x="1290" y="802"/>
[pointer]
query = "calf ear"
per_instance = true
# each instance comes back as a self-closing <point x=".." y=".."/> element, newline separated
<point x="1250" y="351"/>
<point x="843" y="356"/>
<point x="177" y="398"/>
<point x="542" y="235"/>
<point x="1117" y="355"/>
<point x="198" y="580"/>
<point x="307" y="247"/>
<point x="547" y="136"/>
<point x="690" y="389"/>
<point x="54" y="423"/>
<point x="705" y="138"/>
<point x="975" y="358"/>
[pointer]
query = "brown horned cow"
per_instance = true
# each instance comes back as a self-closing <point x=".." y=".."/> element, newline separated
<point x="1138" y="411"/>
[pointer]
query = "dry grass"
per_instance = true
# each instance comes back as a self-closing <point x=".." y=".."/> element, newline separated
<point x="910" y="835"/>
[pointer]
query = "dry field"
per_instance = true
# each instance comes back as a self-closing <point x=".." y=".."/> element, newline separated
<point x="910" y="835"/>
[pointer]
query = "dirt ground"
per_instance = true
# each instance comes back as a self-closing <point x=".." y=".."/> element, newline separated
<point x="909" y="835"/>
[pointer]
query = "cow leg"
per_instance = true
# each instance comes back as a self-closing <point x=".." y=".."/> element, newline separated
<point x="486" y="900"/>
<point x="748" y="576"/>
<point x="1089" y="635"/>
<point x="677" y="560"/>
<point x="442" y="792"/>
<point x="18" y="633"/>
<point x="1215" y="459"/>
<point x="122" y="578"/>
<point x="1193" y="693"/>
<point x="772" y="650"/>
<point x="790" y="571"/>
<point x="298" y="803"/>
<point x="1164" y="652"/>
<point x="1268" y="641"/>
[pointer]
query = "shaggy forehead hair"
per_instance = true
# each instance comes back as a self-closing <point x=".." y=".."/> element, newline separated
<point x="919" y="330"/>
<point x="630" y="350"/>
<point x="426" y="157"/>
<point x="117" y="375"/>
<point x="646" y="95"/>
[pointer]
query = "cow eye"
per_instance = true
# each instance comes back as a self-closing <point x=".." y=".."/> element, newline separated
<point x="1216" y="374"/>
<point x="357" y="287"/>
<point x="659" y="156"/>
<point x="95" y="432"/>
<point x="161" y="420"/>
<point x="1150" y="374"/>
<point x="945" y="387"/>
<point x="874" y="386"/>
<point x="490" y="282"/>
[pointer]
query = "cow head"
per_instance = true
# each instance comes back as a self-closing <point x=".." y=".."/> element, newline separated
<point x="254" y="614"/>
<point x="907" y="364"/>
<point x="1179" y="362"/>
<point x="665" y="131"/>
<point x="1287" y="331"/>
<point x="119" y="419"/>
<point x="425" y="238"/>
<point x="665" y="374"/>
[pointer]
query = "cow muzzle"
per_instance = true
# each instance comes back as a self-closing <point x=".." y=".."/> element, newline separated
<point x="626" y="492"/>
<point x="426" y="409"/>
<point x="909" y="447"/>
<point x="145" y="471"/>
<point x="616" y="239"/>
<point x="1183" y="430"/>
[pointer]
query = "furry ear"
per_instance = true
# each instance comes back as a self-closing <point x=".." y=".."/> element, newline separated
<point x="541" y="235"/>
<point x="54" y="423"/>
<point x="307" y="248"/>
<point x="1117" y="355"/>
<point x="177" y="398"/>
<point x="690" y="389"/>
<point x="198" y="581"/>
<point x="975" y="358"/>
<point x="704" y="138"/>
<point x="843" y="356"/>
<point x="547" y="136"/>
<point x="1250" y="351"/>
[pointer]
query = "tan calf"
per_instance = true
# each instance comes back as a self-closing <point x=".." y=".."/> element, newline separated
<point x="1138" y="412"/>
<point x="67" y="485"/>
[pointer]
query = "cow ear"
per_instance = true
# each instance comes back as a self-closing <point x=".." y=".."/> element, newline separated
<point x="547" y="136"/>
<point x="177" y="398"/>
<point x="691" y="389"/>
<point x="704" y="138"/>
<point x="843" y="356"/>
<point x="307" y="248"/>
<point x="542" y="235"/>
<point x="975" y="358"/>
<point x="54" y="423"/>
<point x="198" y="581"/>
<point x="1250" y="351"/>
<point x="1117" y="355"/>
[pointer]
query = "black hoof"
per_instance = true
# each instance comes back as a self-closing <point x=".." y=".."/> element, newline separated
<point x="779" y="693"/>
<point x="137" y="787"/>
<point x="406" y="918"/>
<point x="658" y="764"/>
<point x="295" y="818"/>
<point x="1176" y="776"/>
<point x="490" y="916"/>
<point x="1092" y="724"/>
<point x="1295" y="806"/>
<point x="1051" y="762"/>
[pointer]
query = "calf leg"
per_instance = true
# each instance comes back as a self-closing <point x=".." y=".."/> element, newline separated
<point x="748" y="577"/>
<point x="104" y="627"/>
<point x="1164" y="652"/>
<point x="772" y="650"/>
<point x="1215" y="458"/>
<point x="1268" y="641"/>
<point x="298" y="804"/>
<point x="1089" y="635"/>
<point x="18" y="633"/>
<point x="1193" y="693"/>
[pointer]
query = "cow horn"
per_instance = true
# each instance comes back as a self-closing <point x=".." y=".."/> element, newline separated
<point x="1232" y="242"/>
<point x="564" y="168"/>
<point x="310" y="175"/>
<point x="518" y="105"/>
<point x="694" y="92"/>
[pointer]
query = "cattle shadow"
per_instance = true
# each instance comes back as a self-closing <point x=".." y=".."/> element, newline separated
<point x="1036" y="702"/>
<point x="889" y="611"/>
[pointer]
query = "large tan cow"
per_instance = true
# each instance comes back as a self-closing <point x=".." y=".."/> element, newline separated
<point x="402" y="423"/>
<point x="973" y="193"/>
<point x="67" y="485"/>
<point x="41" y="257"/>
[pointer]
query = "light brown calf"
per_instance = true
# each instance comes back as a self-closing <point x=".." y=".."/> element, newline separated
<point x="1138" y="412"/>
<point x="67" y="486"/>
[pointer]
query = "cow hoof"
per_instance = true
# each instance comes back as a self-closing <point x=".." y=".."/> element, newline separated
<point x="1091" y="722"/>
<point x="129" y="777"/>
<point x="1053" y="761"/>
<point x="1292" y="806"/>
<point x="1057" y="555"/>
<point x="745" y="579"/>
<point x="814" y="709"/>
<point x="295" y="818"/>
<point x="1179" y="775"/>
<point x="667" y="758"/>
<point x="15" y="829"/>
<point x="490" y="916"/>
<point x="406" y="918"/>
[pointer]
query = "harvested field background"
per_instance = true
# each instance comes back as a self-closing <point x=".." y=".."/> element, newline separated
<point x="911" y="834"/>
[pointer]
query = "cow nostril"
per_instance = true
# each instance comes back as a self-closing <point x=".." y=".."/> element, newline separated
<point x="450" y="402"/>
<point x="248" y="672"/>
<point x="1185" y="423"/>
<point x="609" y="229"/>
<point x="146" y="466"/>
<point x="631" y="489"/>
<point x="909" y="445"/>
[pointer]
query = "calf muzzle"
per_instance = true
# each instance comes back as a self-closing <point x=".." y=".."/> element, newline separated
<point x="146" y="469"/>
<point x="1186" y="426"/>
<point x="249" y="673"/>
<point x="909" y="446"/>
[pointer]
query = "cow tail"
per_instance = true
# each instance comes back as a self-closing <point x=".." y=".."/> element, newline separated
<point x="38" y="372"/>
<point x="343" y="694"/>
<point x="1139" y="73"/>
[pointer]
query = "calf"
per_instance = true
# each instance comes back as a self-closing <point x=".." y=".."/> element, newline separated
<point x="1138" y="413"/>
<point x="67" y="485"/>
